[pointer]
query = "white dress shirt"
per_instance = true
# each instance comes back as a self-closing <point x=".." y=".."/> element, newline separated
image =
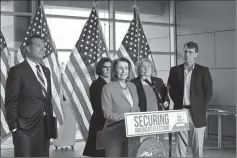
<point x="187" y="82"/>
<point x="128" y="96"/>
<point x="33" y="67"/>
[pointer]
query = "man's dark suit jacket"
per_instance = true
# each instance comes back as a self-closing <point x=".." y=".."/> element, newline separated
<point x="97" y="120"/>
<point x="159" y="87"/>
<point x="200" y="91"/>
<point x="25" y="105"/>
<point x="24" y="101"/>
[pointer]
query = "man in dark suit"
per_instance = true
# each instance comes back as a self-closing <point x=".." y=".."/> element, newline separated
<point x="28" y="102"/>
<point x="191" y="89"/>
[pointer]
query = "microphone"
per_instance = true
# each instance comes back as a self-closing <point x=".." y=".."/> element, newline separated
<point x="143" y="78"/>
<point x="168" y="89"/>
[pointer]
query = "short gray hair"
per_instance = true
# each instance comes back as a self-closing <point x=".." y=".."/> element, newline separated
<point x="140" y="62"/>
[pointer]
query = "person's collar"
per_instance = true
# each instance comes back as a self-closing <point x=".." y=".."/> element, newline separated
<point x="186" y="66"/>
<point x="106" y="79"/>
<point x="32" y="64"/>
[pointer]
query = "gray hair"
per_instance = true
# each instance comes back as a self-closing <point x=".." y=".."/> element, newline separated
<point x="139" y="64"/>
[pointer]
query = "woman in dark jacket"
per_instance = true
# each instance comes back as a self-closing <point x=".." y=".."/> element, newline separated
<point x="97" y="120"/>
<point x="152" y="92"/>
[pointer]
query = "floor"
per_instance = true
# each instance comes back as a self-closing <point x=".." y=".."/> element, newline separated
<point x="210" y="148"/>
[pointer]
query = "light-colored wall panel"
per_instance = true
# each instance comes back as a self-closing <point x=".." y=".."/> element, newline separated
<point x="223" y="87"/>
<point x="159" y="45"/>
<point x="225" y="49"/>
<point x="7" y="23"/>
<point x="163" y="75"/>
<point x="229" y="125"/>
<point x="162" y="62"/>
<point x="152" y="31"/>
<point x="205" y="43"/>
<point x="205" y="16"/>
<point x="207" y="22"/>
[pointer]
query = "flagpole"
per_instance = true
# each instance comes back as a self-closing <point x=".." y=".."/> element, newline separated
<point x="40" y="5"/>
<point x="41" y="8"/>
<point x="98" y="27"/>
<point x="137" y="24"/>
<point x="138" y="20"/>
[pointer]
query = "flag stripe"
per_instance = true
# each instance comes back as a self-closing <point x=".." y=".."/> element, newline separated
<point x="77" y="89"/>
<point x="3" y="72"/>
<point x="79" y="114"/>
<point x="4" y="124"/>
<point x="82" y="69"/>
<point x="3" y="132"/>
<point x="57" y="112"/>
<point x="74" y="98"/>
<point x="134" y="45"/>
<point x="92" y="71"/>
<point x="4" y="69"/>
<point x="48" y="62"/>
<point x="2" y="103"/>
<point x="56" y="101"/>
<point x="3" y="83"/>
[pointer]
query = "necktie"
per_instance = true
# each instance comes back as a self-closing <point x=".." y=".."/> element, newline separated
<point x="41" y="80"/>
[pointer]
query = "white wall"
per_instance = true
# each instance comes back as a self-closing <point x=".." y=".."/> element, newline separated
<point x="212" y="25"/>
<point x="7" y="23"/>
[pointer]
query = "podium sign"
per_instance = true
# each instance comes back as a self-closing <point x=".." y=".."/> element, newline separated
<point x="156" y="122"/>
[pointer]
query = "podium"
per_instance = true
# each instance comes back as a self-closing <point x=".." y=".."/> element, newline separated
<point x="140" y="124"/>
<point x="117" y="127"/>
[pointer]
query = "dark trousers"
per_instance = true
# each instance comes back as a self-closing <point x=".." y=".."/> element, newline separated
<point x="31" y="143"/>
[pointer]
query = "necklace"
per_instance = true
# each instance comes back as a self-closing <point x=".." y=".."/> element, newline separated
<point x="124" y="88"/>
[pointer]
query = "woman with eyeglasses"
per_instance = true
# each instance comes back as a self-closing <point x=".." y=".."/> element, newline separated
<point x="151" y="90"/>
<point x="97" y="120"/>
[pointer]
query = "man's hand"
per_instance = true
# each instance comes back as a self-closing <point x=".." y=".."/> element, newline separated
<point x="166" y="104"/>
<point x="14" y="130"/>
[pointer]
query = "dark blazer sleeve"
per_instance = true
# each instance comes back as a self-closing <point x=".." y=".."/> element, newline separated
<point x="11" y="97"/>
<point x="49" y="104"/>
<point x="95" y="96"/>
<point x="208" y="85"/>
<point x="162" y="90"/>
<point x="171" y="82"/>
<point x="164" y="95"/>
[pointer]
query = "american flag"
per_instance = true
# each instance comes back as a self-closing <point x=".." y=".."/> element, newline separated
<point x="4" y="70"/>
<point x="134" y="45"/>
<point x="80" y="70"/>
<point x="40" y="27"/>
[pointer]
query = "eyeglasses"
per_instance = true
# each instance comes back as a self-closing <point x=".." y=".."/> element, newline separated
<point x="106" y="67"/>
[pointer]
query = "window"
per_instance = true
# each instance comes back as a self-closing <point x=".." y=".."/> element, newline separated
<point x="15" y="19"/>
<point x="66" y="36"/>
<point x="120" y="30"/>
<point x="63" y="57"/>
